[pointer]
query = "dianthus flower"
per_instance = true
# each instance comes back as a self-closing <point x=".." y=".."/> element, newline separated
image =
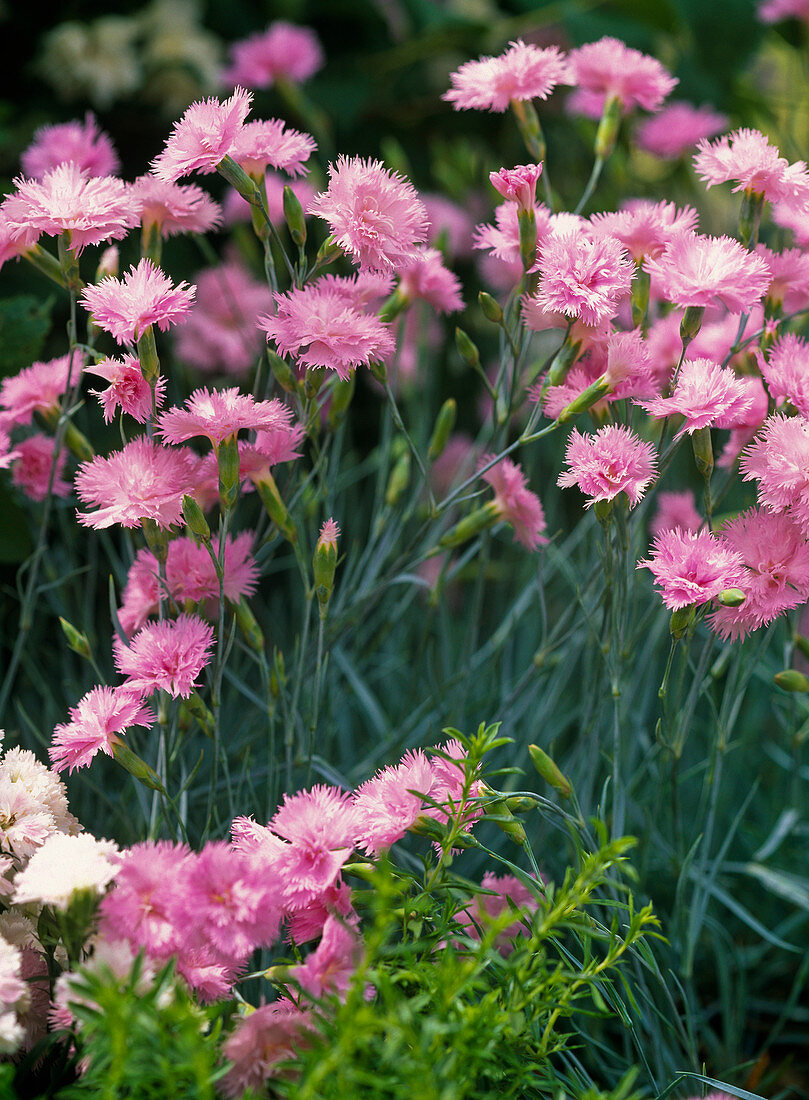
<point x="697" y="270"/>
<point x="321" y="329"/>
<point x="37" y="388"/>
<point x="450" y="222"/>
<point x="773" y="11"/>
<point x="779" y="460"/>
<point x="583" y="279"/>
<point x="278" y="445"/>
<point x="21" y="769"/>
<point x="505" y="894"/>
<point x="747" y="157"/>
<point x="83" y="144"/>
<point x="165" y="656"/>
<point x="786" y="371"/>
<point x="693" y="567"/>
<point x="789" y="289"/>
<point x="363" y="290"/>
<point x="330" y="967"/>
<point x="12" y="243"/>
<point x="203" y="137"/>
<point x="644" y="228"/>
<point x="375" y="215"/>
<point x="523" y="72"/>
<point x="62" y="867"/>
<point x="518" y="184"/>
<point x="705" y="394"/>
<point x="143" y="481"/>
<point x="429" y="281"/>
<point x="128" y="390"/>
<point x="220" y="414"/>
<point x="7" y="452"/>
<point x="675" y="509"/>
<point x="273" y="1033"/>
<point x="220" y="332"/>
<point x="390" y="803"/>
<point x="609" y="69"/>
<point x="31" y="469"/>
<point x="320" y="826"/>
<point x="272" y="144"/>
<point x="610" y="462"/>
<point x="678" y="128"/>
<point x="282" y="50"/>
<point x="95" y="724"/>
<point x="145" y="296"/>
<point x="628" y="367"/>
<point x="776" y="558"/>
<point x="515" y="503"/>
<point x="175" y="208"/>
<point x="66" y="200"/>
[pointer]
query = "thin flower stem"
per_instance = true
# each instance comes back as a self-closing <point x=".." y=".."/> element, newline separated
<point x="397" y="417"/>
<point x="598" y="165"/>
<point x="316" y="693"/>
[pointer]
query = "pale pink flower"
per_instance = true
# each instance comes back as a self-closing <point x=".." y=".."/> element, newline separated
<point x="450" y="222"/>
<point x="203" y="137"/>
<point x="12" y="985"/>
<point x="25" y="821"/>
<point x="705" y="394"/>
<point x="773" y="11"/>
<point x="515" y="503"/>
<point x="523" y="71"/>
<point x="37" y="388"/>
<point x="675" y="509"/>
<point x="31" y="469"/>
<point x="145" y="296"/>
<point x="643" y="227"/>
<point x="220" y="332"/>
<point x="89" y="148"/>
<point x="518" y="184"/>
<point x="321" y="329"/>
<point x="219" y="414"/>
<point x="612" y="461"/>
<point x="677" y="128"/>
<point x="427" y="280"/>
<point x="320" y="825"/>
<point x="374" y="214"/>
<point x="66" y="200"/>
<point x="390" y="803"/>
<point x="24" y="772"/>
<point x="776" y="558"/>
<point x="455" y="464"/>
<point x="583" y="279"/>
<point x="64" y="866"/>
<point x="142" y="481"/>
<point x="175" y="208"/>
<point x="779" y="460"/>
<point x="364" y="290"/>
<point x="95" y="724"/>
<point x="330" y="967"/>
<point x="165" y="656"/>
<point x="609" y="69"/>
<point x="282" y="50"/>
<point x="786" y="371"/>
<point x="692" y="567"/>
<point x="747" y="157"/>
<point x="272" y="144"/>
<point x="628" y="367"/>
<point x="13" y="244"/>
<point x="507" y="894"/>
<point x="128" y="390"/>
<point x="697" y="270"/>
<point x="7" y="452"/>
<point x="271" y="447"/>
<point x="141" y="907"/>
<point x="273" y="1033"/>
<point x="783" y="214"/>
<point x="789" y="289"/>
<point x="448" y="762"/>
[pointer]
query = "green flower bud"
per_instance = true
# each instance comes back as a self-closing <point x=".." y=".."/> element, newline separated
<point x="76" y="640"/>
<point x="471" y="525"/>
<point x="282" y="372"/>
<point x="238" y="178"/>
<point x="691" y="323"/>
<point x="195" y="519"/>
<point x="492" y="310"/>
<point x="227" y="460"/>
<point x="444" y="423"/>
<point x="132" y="763"/>
<point x="248" y="624"/>
<point x="294" y="217"/>
<point x="466" y="348"/>
<point x="147" y="354"/>
<point x="610" y="123"/>
<point x="324" y="563"/>
<point x="276" y="509"/>
<point x="549" y="771"/>
<point x="681" y="620"/>
<point x="399" y="478"/>
<point x="586" y="399"/>
<point x="703" y="451"/>
<point x="792" y="680"/>
<point x="732" y="597"/>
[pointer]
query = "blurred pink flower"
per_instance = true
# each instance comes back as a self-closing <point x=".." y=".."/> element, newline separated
<point x="330" y="967"/>
<point x="95" y="723"/>
<point x="220" y="332"/>
<point x="677" y="128"/>
<point x="692" y="567"/>
<point x="609" y="69"/>
<point x="747" y="157"/>
<point x="789" y="289"/>
<point x="643" y="227"/>
<point x="175" y="208"/>
<point x="581" y="278"/>
<point x="282" y="50"/>
<point x="203" y="137"/>
<point x="451" y="222"/>
<point x="273" y="1033"/>
<point x="612" y="461"/>
<point x="83" y="144"/>
<point x="31" y="469"/>
<point x="705" y="394"/>
<point x="145" y="296"/>
<point x="515" y="503"/>
<point x="786" y="371"/>
<point x="37" y="388"/>
<point x="507" y="895"/>
<point x="675" y="509"/>
<point x="165" y="656"/>
<point x="427" y="280"/>
<point x="128" y="390"/>
<point x="773" y="11"/>
<point x="523" y="71"/>
<point x="695" y="270"/>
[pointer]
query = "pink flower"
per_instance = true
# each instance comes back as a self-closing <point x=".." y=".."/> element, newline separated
<point x="165" y="656"/>
<point x="95" y="723"/>
<point x="518" y="184"/>
<point x="450" y="222"/>
<point x="220" y="414"/>
<point x="387" y="806"/>
<point x="706" y="394"/>
<point x="692" y="567"/>
<point x="584" y="279"/>
<point x="31" y="469"/>
<point x="779" y="460"/>
<point x="13" y="244"/>
<point x="523" y="72"/>
<point x="283" y="50"/>
<point x="789" y="289"/>
<point x="787" y="371"/>
<point x="375" y="215"/>
<point x="145" y="296"/>
<point x="273" y="1033"/>
<point x="174" y="208"/>
<point x="677" y="128"/>
<point x="37" y="388"/>
<point x="747" y="157"/>
<point x="515" y="503"/>
<point x="7" y="453"/>
<point x="645" y="228"/>
<point x="128" y="390"/>
<point x="507" y="895"/>
<point x="773" y="11"/>
<point x="675" y="510"/>
<point x="330" y="967"/>
<point x="610" y="462"/>
<point x="67" y="200"/>
<point x="321" y="329"/>
<point x="271" y="144"/>
<point x="776" y="558"/>
<point x="628" y="369"/>
<point x="83" y="144"/>
<point x="429" y="281"/>
<point x="143" y="481"/>
<point x="697" y="271"/>
<point x="320" y="826"/>
<point x="271" y="447"/>
<point x="608" y="69"/>
<point x="203" y="137"/>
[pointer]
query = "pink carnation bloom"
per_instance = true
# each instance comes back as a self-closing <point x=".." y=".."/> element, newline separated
<point x="31" y="469"/>
<point x="628" y="368"/>
<point x="518" y="184"/>
<point x="786" y="371"/>
<point x="145" y="296"/>
<point x="706" y="394"/>
<point x="515" y="503"/>
<point x="273" y="1033"/>
<point x="95" y="724"/>
<point x="609" y="69"/>
<point x="678" y="128"/>
<point x="128" y="390"/>
<point x="143" y="481"/>
<point x="644" y="228"/>
<point x="508" y="895"/>
<point x="165" y="656"/>
<point x="450" y="222"/>
<point x="12" y="243"/>
<point x="776" y="557"/>
<point x="7" y="452"/>
<point x="271" y="447"/>
<point x="697" y="270"/>
<point x="779" y="460"/>
<point x="271" y="144"/>
<point x="692" y="567"/>
<point x="675" y="510"/>
<point x="773" y="11"/>
<point x="523" y="72"/>
<point x="363" y="290"/>
<point x="67" y="200"/>
<point x="321" y="329"/>
<point x="320" y="825"/>
<point x="37" y="388"/>
<point x="330" y="967"/>
<point x="220" y="414"/>
<point x="429" y="281"/>
<point x="203" y="137"/>
<point x="583" y="279"/>
<point x="282" y="50"/>
<point x="374" y="214"/>
<point x="783" y="214"/>
<point x="83" y="144"/>
<point x="175" y="208"/>
<point x="789" y="289"/>
<point x="220" y="332"/>
<point x="747" y="157"/>
<point x="390" y="803"/>
<point x="610" y="462"/>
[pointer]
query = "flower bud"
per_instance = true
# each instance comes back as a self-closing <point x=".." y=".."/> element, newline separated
<point x="147" y="355"/>
<point x="76" y="640"/>
<point x="157" y="538"/>
<point x="248" y="624"/>
<point x="492" y="309"/>
<point x="108" y="263"/>
<point x="324" y="563"/>
<point x="607" y="133"/>
<point x="792" y="680"/>
<point x="444" y="423"/>
<point x="563" y="360"/>
<point x="395" y="304"/>
<point x="703" y="451"/>
<point x="586" y="399"/>
<point x="471" y="525"/>
<point x="78" y="444"/>
<point x="197" y="709"/>
<point x="294" y="217"/>
<point x="137" y="767"/>
<point x="732" y="597"/>
<point x="517" y="184"/>
<point x="327" y="252"/>
<point x="195" y="519"/>
<point x="680" y="621"/>
<point x="282" y="372"/>
<point x="342" y="393"/>
<point x="550" y="771"/>
<point x="227" y="460"/>
<point x="691" y="323"/>
<point x="379" y="371"/>
<point x="466" y="348"/>
<point x="238" y="179"/>
<point x="399" y="478"/>
<point x="276" y="509"/>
